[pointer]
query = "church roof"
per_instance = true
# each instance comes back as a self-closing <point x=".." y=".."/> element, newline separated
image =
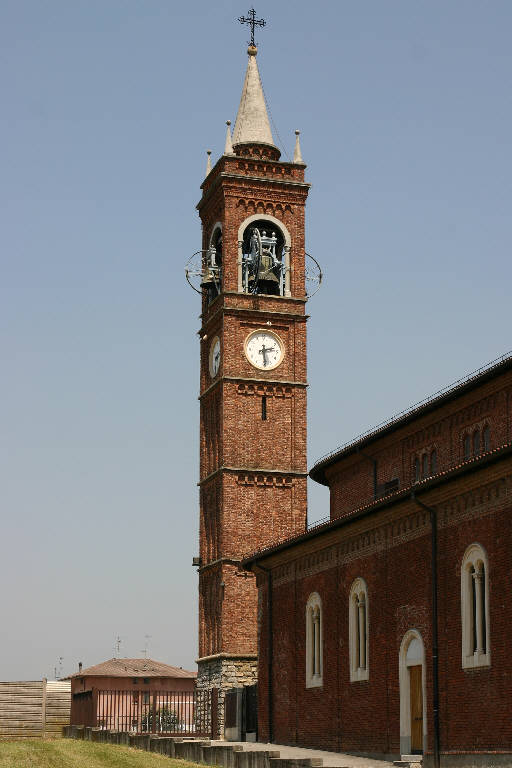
<point x="414" y="489"/>
<point x="430" y="403"/>
<point x="252" y="125"/>
<point x="134" y="668"/>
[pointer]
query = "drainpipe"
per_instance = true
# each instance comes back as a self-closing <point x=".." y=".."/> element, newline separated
<point x="435" y="649"/>
<point x="374" y="462"/>
<point x="270" y="692"/>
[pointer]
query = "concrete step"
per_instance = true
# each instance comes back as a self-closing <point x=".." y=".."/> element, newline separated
<point x="407" y="761"/>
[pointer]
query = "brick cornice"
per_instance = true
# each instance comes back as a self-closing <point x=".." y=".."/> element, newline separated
<point x="407" y="525"/>
<point x="251" y="471"/>
<point x="250" y="181"/>
<point x="259" y="382"/>
<point x="226" y="310"/>
<point x="220" y="656"/>
<point x="389" y="533"/>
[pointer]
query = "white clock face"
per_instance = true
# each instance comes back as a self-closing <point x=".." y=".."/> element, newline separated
<point x="264" y="350"/>
<point x="214" y="357"/>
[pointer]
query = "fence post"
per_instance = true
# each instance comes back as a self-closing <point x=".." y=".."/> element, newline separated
<point x="94" y="713"/>
<point x="43" y="708"/>
<point x="153" y="718"/>
<point x="214" y="712"/>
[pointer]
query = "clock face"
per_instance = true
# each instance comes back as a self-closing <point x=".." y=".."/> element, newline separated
<point x="264" y="350"/>
<point x="214" y="357"/>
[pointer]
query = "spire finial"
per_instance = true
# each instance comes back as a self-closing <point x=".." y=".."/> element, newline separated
<point x="208" y="162"/>
<point x="253" y="22"/>
<point x="228" y="149"/>
<point x="297" y="157"/>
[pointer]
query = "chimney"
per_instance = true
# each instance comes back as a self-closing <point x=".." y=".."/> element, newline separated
<point x="79" y="667"/>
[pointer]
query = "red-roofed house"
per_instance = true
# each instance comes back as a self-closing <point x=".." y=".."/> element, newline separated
<point x="133" y="694"/>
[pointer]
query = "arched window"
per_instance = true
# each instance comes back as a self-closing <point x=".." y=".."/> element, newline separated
<point x="433" y="462"/>
<point x="358" y="630"/>
<point x="487" y="438"/>
<point x="467" y="447"/>
<point x="416" y="469"/>
<point x="314" y="641"/>
<point x="476" y="442"/>
<point x="475" y="608"/>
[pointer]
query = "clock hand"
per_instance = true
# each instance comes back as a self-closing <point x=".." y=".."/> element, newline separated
<point x="263" y="351"/>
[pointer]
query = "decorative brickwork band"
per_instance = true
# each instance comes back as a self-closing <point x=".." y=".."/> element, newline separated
<point x="270" y="481"/>
<point x="268" y="390"/>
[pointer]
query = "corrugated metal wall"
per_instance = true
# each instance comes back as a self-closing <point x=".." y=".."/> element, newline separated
<point x="34" y="708"/>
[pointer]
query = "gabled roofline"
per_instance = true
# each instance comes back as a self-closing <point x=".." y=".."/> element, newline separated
<point x="442" y="396"/>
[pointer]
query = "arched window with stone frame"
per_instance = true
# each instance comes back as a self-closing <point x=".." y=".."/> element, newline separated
<point x="358" y="630"/>
<point x="314" y="642"/>
<point x="475" y="608"/>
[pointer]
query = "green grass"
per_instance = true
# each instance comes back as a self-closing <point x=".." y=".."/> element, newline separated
<point x="68" y="753"/>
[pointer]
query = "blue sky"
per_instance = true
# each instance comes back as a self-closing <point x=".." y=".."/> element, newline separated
<point x="107" y="111"/>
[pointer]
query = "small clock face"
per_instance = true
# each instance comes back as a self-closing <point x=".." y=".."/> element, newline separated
<point x="264" y="350"/>
<point x="214" y="357"/>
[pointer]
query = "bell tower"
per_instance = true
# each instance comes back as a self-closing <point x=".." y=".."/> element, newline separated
<point x="251" y="276"/>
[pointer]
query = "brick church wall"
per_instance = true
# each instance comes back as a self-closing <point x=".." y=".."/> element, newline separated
<point x="389" y="546"/>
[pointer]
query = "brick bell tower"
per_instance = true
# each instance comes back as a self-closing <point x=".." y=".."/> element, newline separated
<point x="251" y="275"/>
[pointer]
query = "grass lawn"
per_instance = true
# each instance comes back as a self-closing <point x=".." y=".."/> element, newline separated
<point x="68" y="753"/>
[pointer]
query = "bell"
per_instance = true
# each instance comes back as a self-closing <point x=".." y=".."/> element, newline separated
<point x="266" y="281"/>
<point x="211" y="271"/>
<point x="208" y="279"/>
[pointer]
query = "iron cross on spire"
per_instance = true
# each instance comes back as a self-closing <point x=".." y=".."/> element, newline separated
<point x="253" y="22"/>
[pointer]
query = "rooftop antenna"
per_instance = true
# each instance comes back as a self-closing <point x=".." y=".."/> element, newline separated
<point x="117" y="647"/>
<point x="147" y="638"/>
<point x="59" y="670"/>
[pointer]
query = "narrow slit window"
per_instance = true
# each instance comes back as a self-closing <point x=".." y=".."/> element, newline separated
<point x="487" y="439"/>
<point x="467" y="447"/>
<point x="416" y="469"/>
<point x="433" y="462"/>
<point x="264" y="408"/>
<point x="476" y="443"/>
<point x="424" y="465"/>
<point x="358" y="631"/>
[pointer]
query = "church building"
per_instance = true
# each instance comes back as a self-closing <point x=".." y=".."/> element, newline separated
<point x="384" y="631"/>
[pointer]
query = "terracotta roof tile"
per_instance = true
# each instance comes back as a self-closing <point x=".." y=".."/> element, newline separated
<point x="134" y="668"/>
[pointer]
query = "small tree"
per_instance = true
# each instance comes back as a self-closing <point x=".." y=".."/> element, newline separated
<point x="166" y="720"/>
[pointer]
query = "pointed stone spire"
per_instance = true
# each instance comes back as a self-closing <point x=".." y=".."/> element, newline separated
<point x="252" y="125"/>
<point x="297" y="157"/>
<point x="228" y="149"/>
<point x="208" y="162"/>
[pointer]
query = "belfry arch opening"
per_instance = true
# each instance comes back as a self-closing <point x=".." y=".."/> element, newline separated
<point x="264" y="256"/>
<point x="212" y="265"/>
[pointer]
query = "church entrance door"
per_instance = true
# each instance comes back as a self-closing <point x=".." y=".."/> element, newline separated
<point x="416" y="689"/>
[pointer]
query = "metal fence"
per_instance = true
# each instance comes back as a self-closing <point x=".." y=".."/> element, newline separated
<point x="185" y="713"/>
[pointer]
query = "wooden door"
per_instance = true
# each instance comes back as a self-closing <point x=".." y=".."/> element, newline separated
<point x="416" y="689"/>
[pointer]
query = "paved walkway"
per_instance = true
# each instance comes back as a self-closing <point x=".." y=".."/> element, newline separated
<point x="330" y="759"/>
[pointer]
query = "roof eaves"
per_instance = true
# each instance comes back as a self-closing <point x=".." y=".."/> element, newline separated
<point x="454" y="390"/>
<point x="427" y="484"/>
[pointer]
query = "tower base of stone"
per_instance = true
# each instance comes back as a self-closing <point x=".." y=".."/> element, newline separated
<point x="223" y="672"/>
